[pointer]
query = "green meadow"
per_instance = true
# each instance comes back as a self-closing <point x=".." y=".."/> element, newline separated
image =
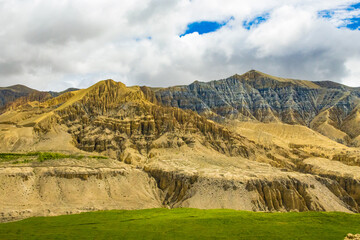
<point x="185" y="224"/>
<point x="16" y="158"/>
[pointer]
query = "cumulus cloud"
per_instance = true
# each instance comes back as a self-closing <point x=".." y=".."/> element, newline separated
<point x="53" y="45"/>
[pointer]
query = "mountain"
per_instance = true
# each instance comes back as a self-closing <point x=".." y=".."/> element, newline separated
<point x="9" y="94"/>
<point x="20" y="94"/>
<point x="325" y="107"/>
<point x="55" y="94"/>
<point x="127" y="113"/>
<point x="220" y="144"/>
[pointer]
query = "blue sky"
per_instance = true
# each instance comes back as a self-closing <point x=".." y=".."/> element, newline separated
<point x="352" y="21"/>
<point x="203" y="27"/>
<point x="346" y="16"/>
<point x="59" y="44"/>
<point x="248" y="24"/>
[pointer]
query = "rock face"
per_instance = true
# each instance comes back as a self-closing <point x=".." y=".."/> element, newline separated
<point x="258" y="96"/>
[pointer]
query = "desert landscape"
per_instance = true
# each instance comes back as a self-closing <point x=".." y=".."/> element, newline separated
<point x="184" y="119"/>
<point x="212" y="145"/>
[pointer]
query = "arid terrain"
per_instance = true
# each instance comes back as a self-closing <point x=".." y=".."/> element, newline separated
<point x="249" y="142"/>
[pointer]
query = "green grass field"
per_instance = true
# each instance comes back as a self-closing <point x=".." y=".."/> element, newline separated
<point x="185" y="224"/>
<point x="16" y="158"/>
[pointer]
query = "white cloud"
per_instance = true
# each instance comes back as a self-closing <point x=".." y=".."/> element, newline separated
<point x="352" y="79"/>
<point x="49" y="44"/>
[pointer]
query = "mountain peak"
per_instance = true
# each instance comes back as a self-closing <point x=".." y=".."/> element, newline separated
<point x="107" y="85"/>
<point x="253" y="74"/>
<point x="19" y="88"/>
<point x="255" y="71"/>
<point x="106" y="82"/>
<point x="257" y="75"/>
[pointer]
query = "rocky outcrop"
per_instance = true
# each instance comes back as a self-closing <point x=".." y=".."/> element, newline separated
<point x="352" y="236"/>
<point x="288" y="194"/>
<point x="174" y="185"/>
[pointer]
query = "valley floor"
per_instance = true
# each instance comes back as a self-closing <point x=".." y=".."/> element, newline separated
<point x="185" y="224"/>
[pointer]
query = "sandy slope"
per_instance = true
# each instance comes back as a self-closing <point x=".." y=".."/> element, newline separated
<point x="283" y="134"/>
<point x="73" y="186"/>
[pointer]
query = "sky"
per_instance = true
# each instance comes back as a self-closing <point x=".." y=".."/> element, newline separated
<point x="54" y="45"/>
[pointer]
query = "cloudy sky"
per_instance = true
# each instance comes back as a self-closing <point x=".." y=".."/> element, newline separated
<point x="53" y="45"/>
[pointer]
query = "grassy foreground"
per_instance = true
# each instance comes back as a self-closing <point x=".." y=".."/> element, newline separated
<point x="185" y="224"/>
<point x="16" y="158"/>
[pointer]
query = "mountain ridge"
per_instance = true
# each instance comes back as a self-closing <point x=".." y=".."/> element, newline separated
<point x="255" y="96"/>
<point x="22" y="93"/>
<point x="322" y="83"/>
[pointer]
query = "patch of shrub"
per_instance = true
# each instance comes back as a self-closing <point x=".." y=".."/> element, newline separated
<point x="41" y="156"/>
